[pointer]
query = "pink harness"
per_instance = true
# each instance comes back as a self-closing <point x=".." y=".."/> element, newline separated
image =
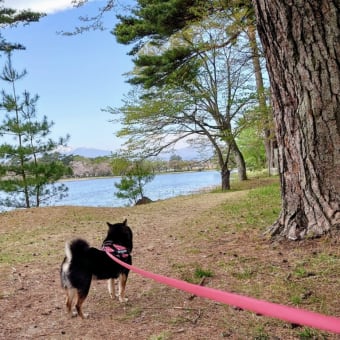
<point x="117" y="250"/>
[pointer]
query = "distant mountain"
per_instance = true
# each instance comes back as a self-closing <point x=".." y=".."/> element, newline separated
<point x="88" y="152"/>
<point x="186" y="153"/>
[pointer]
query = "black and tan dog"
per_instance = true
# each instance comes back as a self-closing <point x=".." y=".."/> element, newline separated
<point x="83" y="262"/>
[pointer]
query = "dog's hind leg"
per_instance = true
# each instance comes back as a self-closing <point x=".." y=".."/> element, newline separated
<point x="121" y="287"/>
<point x="111" y="287"/>
<point x="80" y="300"/>
<point x="81" y="296"/>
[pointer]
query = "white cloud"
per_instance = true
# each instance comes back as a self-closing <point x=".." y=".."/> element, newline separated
<point x="45" y="6"/>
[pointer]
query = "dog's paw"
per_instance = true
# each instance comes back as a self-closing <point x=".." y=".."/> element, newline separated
<point x="121" y="299"/>
<point x="83" y="315"/>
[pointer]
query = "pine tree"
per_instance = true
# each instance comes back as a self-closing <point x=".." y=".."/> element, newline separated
<point x="135" y="176"/>
<point x="12" y="17"/>
<point x="27" y="180"/>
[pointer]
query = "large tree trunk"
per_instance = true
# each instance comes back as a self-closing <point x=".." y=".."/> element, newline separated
<point x="301" y="40"/>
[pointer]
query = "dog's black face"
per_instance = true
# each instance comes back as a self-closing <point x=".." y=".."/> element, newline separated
<point x="120" y="233"/>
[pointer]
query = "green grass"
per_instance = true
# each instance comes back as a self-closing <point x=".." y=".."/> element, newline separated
<point x="191" y="272"/>
<point x="244" y="274"/>
<point x="201" y="273"/>
<point x="258" y="209"/>
<point x="309" y="333"/>
<point x="162" y="336"/>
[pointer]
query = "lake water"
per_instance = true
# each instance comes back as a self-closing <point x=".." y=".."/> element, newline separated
<point x="100" y="192"/>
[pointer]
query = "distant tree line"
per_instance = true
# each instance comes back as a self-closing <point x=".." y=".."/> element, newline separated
<point x="107" y="166"/>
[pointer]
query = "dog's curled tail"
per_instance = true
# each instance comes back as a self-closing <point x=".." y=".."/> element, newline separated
<point x="76" y="247"/>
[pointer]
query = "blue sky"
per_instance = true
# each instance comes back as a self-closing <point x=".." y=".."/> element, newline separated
<point x="76" y="76"/>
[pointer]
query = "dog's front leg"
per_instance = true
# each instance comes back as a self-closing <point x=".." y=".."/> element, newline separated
<point x="121" y="287"/>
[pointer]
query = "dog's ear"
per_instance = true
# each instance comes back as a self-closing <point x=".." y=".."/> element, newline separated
<point x="109" y="224"/>
<point x="125" y="222"/>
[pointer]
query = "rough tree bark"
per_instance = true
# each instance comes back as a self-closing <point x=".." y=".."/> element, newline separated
<point x="225" y="175"/>
<point x="301" y="40"/>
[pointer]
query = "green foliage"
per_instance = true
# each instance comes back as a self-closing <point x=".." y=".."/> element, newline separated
<point x="153" y="24"/>
<point x="160" y="70"/>
<point x="195" y="74"/>
<point x="155" y="18"/>
<point x="208" y="103"/>
<point x="251" y="144"/>
<point x="128" y="188"/>
<point x="28" y="166"/>
<point x="136" y="176"/>
<point x="120" y="165"/>
<point x="10" y="17"/>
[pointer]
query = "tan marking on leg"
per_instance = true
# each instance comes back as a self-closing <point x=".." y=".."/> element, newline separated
<point x="111" y="287"/>
<point x="121" y="288"/>
<point x="70" y="293"/>
<point x="80" y="301"/>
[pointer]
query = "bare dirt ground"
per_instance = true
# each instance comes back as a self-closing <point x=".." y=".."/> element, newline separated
<point x="178" y="238"/>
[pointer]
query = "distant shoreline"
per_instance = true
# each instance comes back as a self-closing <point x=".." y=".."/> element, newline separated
<point x="108" y="177"/>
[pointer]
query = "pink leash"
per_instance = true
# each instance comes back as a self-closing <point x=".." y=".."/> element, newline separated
<point x="290" y="314"/>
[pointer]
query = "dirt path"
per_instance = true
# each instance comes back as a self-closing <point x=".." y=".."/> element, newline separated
<point x="32" y="303"/>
